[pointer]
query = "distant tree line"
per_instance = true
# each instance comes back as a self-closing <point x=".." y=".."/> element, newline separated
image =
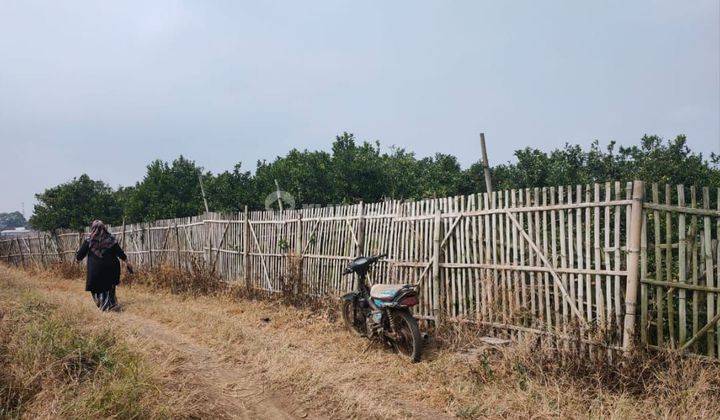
<point x="356" y="171"/>
<point x="12" y="220"/>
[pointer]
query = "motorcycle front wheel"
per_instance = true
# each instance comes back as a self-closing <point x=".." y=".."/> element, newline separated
<point x="352" y="321"/>
<point x="408" y="341"/>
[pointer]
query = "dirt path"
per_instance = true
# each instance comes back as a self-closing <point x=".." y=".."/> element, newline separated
<point x="240" y="365"/>
<point x="233" y="391"/>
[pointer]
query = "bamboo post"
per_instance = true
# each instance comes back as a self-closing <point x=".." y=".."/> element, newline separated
<point x="277" y="192"/>
<point x="437" y="301"/>
<point x="177" y="246"/>
<point x="709" y="279"/>
<point x="22" y="255"/>
<point x="360" y="248"/>
<point x="41" y="247"/>
<point x="207" y="226"/>
<point x="298" y="286"/>
<point x="682" y="268"/>
<point x="485" y="164"/>
<point x="246" y="246"/>
<point x="149" y="242"/>
<point x="122" y="240"/>
<point x="633" y="259"/>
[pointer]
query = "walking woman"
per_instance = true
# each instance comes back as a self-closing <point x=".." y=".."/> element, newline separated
<point x="103" y="267"/>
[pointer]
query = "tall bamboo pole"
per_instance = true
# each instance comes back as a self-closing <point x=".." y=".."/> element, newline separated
<point x="633" y="259"/>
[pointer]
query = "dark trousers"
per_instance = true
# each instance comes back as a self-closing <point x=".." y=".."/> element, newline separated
<point x="105" y="300"/>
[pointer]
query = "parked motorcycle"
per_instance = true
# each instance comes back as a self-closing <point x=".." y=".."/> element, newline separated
<point x="383" y="311"/>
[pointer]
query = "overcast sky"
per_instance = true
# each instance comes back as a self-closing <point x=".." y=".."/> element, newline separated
<point x="104" y="87"/>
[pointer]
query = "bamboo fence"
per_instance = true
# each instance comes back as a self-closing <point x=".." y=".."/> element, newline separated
<point x="556" y="261"/>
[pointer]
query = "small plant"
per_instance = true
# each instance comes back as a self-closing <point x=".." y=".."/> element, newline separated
<point x="283" y="245"/>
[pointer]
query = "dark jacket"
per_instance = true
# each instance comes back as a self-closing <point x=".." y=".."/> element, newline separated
<point x="102" y="273"/>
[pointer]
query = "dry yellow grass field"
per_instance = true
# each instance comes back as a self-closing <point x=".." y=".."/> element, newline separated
<point x="217" y="355"/>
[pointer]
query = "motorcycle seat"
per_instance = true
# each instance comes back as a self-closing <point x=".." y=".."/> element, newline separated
<point x="385" y="292"/>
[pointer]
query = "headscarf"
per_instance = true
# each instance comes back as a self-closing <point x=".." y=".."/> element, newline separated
<point x="100" y="239"/>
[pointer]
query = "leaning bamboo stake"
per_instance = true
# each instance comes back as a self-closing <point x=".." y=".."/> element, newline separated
<point x="633" y="256"/>
<point x="202" y="191"/>
<point x="485" y="164"/>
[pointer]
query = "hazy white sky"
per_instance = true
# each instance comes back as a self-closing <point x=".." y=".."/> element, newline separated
<point x="103" y="87"/>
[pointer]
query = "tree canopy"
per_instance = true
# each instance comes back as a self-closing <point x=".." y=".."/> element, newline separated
<point x="75" y="204"/>
<point x="354" y="171"/>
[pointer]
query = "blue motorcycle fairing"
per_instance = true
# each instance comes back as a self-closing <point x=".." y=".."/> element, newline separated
<point x="381" y="303"/>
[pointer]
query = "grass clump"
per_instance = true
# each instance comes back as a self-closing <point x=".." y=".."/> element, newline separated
<point x="51" y="368"/>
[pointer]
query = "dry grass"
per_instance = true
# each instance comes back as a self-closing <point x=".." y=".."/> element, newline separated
<point x="535" y="378"/>
<point x="301" y="351"/>
<point x="202" y="281"/>
<point x="67" y="270"/>
<point x="50" y="368"/>
<point x="199" y="280"/>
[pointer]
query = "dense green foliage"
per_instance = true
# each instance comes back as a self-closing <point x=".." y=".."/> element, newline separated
<point x="359" y="171"/>
<point x="75" y="205"/>
<point x="12" y="220"/>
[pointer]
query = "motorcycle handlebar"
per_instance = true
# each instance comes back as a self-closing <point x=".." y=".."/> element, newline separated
<point x="372" y="260"/>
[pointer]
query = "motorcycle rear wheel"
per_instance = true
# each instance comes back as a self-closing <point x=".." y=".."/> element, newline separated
<point x="409" y="342"/>
<point x="350" y="319"/>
